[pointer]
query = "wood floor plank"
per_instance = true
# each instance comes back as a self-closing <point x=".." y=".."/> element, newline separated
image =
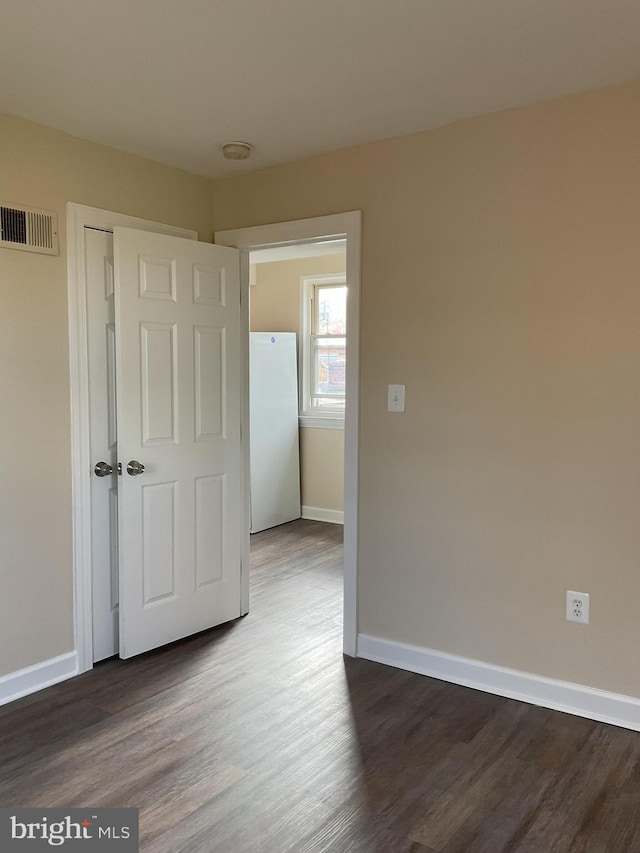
<point x="260" y="736"/>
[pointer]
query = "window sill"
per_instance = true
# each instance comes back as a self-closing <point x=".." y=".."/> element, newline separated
<point x="332" y="421"/>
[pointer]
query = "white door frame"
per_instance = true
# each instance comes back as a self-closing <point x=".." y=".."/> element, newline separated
<point x="317" y="229"/>
<point x="80" y="216"/>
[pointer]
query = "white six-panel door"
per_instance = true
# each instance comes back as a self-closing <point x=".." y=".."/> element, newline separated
<point x="180" y="521"/>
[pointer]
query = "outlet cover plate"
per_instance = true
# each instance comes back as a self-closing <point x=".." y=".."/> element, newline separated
<point x="577" y="606"/>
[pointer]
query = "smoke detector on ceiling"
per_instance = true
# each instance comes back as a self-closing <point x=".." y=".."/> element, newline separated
<point x="237" y="150"/>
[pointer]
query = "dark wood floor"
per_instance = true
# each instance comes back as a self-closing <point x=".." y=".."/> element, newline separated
<point x="258" y="736"/>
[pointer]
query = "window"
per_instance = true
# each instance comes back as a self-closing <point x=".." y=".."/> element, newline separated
<point x="323" y="342"/>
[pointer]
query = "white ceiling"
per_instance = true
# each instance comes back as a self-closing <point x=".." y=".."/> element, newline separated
<point x="173" y="79"/>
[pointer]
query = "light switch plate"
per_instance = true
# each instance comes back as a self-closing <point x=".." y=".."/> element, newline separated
<point x="395" y="398"/>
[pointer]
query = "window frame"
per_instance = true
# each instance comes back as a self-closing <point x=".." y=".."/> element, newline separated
<point x="314" y="416"/>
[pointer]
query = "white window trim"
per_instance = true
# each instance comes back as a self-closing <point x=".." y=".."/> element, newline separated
<point x="309" y="416"/>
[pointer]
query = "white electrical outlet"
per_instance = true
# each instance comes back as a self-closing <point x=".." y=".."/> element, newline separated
<point x="577" y="606"/>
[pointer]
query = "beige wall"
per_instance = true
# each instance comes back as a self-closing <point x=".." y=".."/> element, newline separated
<point x="322" y="468"/>
<point x="275" y="307"/>
<point x="501" y="283"/>
<point x="41" y="167"/>
<point x="275" y="297"/>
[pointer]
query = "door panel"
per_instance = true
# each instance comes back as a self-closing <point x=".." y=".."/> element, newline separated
<point x="178" y="392"/>
<point x="159" y="383"/>
<point x="210" y="506"/>
<point x="210" y="348"/>
<point x="102" y="440"/>
<point x="158" y="542"/>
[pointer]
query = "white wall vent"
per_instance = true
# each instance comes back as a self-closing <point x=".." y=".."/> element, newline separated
<point x="28" y="228"/>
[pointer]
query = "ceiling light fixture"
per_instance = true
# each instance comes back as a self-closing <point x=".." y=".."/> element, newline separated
<point x="237" y="150"/>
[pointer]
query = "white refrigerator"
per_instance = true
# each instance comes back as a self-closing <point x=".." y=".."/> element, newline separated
<point x="275" y="456"/>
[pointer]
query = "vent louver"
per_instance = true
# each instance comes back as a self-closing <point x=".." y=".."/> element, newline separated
<point x="28" y="228"/>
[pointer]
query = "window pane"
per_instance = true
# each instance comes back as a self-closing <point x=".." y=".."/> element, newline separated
<point x="331" y="310"/>
<point x="329" y="361"/>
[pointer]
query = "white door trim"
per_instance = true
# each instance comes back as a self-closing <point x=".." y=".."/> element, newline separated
<point x="317" y="229"/>
<point x="80" y="216"/>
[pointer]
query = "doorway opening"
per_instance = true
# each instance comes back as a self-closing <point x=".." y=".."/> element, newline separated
<point x="297" y="390"/>
<point x="341" y="231"/>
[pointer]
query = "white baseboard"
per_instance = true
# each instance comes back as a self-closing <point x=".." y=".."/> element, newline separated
<point x="15" y="685"/>
<point x="600" y="705"/>
<point x="318" y="513"/>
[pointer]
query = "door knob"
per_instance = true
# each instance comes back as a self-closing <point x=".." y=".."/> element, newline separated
<point x="103" y="469"/>
<point x="135" y="467"/>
